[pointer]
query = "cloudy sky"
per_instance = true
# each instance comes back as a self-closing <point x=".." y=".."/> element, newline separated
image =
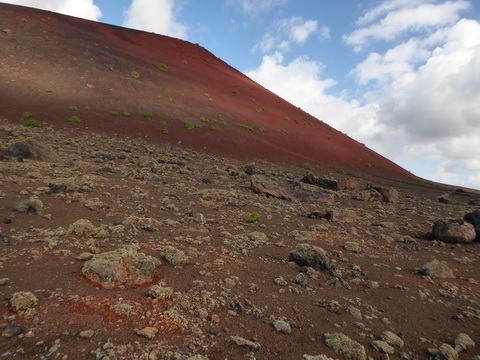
<point x="401" y="76"/>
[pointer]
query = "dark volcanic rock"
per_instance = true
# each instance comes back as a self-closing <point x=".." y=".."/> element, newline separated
<point x="474" y="219"/>
<point x="12" y="330"/>
<point x="453" y="231"/>
<point x="313" y="256"/>
<point x="325" y="183"/>
<point x="31" y="149"/>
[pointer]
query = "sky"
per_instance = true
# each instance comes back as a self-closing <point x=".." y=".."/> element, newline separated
<point x="400" y="76"/>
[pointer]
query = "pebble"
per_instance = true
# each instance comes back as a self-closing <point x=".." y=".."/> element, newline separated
<point x="12" y="330"/>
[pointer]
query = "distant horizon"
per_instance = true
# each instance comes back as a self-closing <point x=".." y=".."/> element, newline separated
<point x="399" y="76"/>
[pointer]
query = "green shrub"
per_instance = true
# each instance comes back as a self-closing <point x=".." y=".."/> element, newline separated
<point x="105" y="194"/>
<point x="48" y="90"/>
<point x="190" y="126"/>
<point x="32" y="123"/>
<point x="27" y="114"/>
<point x="148" y="116"/>
<point x="213" y="128"/>
<point x="204" y="119"/>
<point x="135" y="74"/>
<point x="12" y="39"/>
<point x="400" y="197"/>
<point x="170" y="100"/>
<point x="307" y="166"/>
<point x="185" y="62"/>
<point x="369" y="165"/>
<point x="126" y="114"/>
<point x="73" y="108"/>
<point x="458" y="208"/>
<point x="260" y="110"/>
<point x="286" y="119"/>
<point x="262" y="129"/>
<point x="342" y="172"/>
<point x="235" y="92"/>
<point x="114" y="113"/>
<point x="253" y="217"/>
<point x="74" y="119"/>
<point x="162" y="123"/>
<point x="165" y="131"/>
<point x="296" y="121"/>
<point x="162" y="67"/>
<point x="87" y="108"/>
<point x="245" y="126"/>
<point x="103" y="142"/>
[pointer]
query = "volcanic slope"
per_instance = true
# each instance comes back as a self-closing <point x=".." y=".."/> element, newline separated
<point x="165" y="90"/>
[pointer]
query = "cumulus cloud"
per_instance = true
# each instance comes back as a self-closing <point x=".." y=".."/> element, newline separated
<point x="158" y="16"/>
<point x="79" y="8"/>
<point x="255" y="7"/>
<point x="402" y="17"/>
<point x="294" y="30"/>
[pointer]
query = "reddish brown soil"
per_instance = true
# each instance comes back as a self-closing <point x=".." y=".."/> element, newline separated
<point x="227" y="288"/>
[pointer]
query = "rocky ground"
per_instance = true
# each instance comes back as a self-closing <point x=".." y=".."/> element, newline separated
<point x="112" y="248"/>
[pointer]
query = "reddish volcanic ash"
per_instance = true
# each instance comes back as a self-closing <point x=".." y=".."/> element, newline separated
<point x="52" y="62"/>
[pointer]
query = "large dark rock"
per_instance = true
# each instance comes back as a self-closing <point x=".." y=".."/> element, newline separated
<point x="388" y="194"/>
<point x="289" y="190"/>
<point x="324" y="183"/>
<point x="474" y="219"/>
<point x="31" y="149"/>
<point x="454" y="231"/>
<point x="312" y="256"/>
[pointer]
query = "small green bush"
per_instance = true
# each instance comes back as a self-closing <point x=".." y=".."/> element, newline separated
<point x="126" y="114"/>
<point x="235" y="92"/>
<point x="342" y="172"/>
<point x="458" y="208"/>
<point x="262" y="129"/>
<point x="400" y="197"/>
<point x="286" y="119"/>
<point x="135" y="74"/>
<point x="103" y="142"/>
<point x="27" y="114"/>
<point x="204" y="119"/>
<point x="32" y="123"/>
<point x="185" y="62"/>
<point x="213" y="128"/>
<point x="105" y="194"/>
<point x="12" y="39"/>
<point x="165" y="131"/>
<point x="162" y="123"/>
<point x="170" y="100"/>
<point x="253" y="217"/>
<point x="296" y="121"/>
<point x="114" y="113"/>
<point x="87" y="108"/>
<point x="190" y="126"/>
<point x="49" y="90"/>
<point x="260" y="110"/>
<point x="307" y="166"/>
<point x="73" y="108"/>
<point x="162" y="67"/>
<point x="148" y="116"/>
<point x="74" y="119"/>
<point x="245" y="126"/>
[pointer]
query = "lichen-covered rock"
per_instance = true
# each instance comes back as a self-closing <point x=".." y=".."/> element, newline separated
<point x="31" y="149"/>
<point x="355" y="312"/>
<point x="84" y="227"/>
<point x="23" y="300"/>
<point x="382" y="346"/>
<point x="444" y="352"/>
<point x="282" y="327"/>
<point x="352" y="246"/>
<point x="175" y="256"/>
<point x="157" y="291"/>
<point x="392" y="339"/>
<point x="345" y="346"/>
<point x="245" y="343"/>
<point x="120" y="267"/>
<point x="452" y="231"/>
<point x="32" y="205"/>
<point x="342" y="215"/>
<point x="437" y="269"/>
<point x="463" y="342"/>
<point x="312" y="256"/>
<point x="316" y="357"/>
<point x="148" y="332"/>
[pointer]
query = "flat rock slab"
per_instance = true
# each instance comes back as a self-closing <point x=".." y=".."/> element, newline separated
<point x="289" y="190"/>
<point x="118" y="268"/>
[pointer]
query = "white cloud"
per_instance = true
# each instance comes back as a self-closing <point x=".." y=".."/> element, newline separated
<point x="405" y="17"/>
<point x="158" y="16"/>
<point x="255" y="7"/>
<point x="287" y="32"/>
<point x="79" y="8"/>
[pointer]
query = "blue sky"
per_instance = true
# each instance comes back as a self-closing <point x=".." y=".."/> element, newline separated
<point x="401" y="76"/>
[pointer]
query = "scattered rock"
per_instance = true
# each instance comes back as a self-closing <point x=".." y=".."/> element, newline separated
<point x="282" y="327"/>
<point x="345" y="346"/>
<point x="84" y="227"/>
<point x="392" y="339"/>
<point x="175" y="256"/>
<point x="437" y="269"/>
<point x="4" y="281"/>
<point x="148" y="332"/>
<point x="120" y="267"/>
<point x="157" y="291"/>
<point x="245" y="343"/>
<point x="12" y="330"/>
<point x="355" y="312"/>
<point x="342" y="216"/>
<point x="463" y="342"/>
<point x="382" y="346"/>
<point x="352" y="246"/>
<point x="324" y="183"/>
<point x="388" y="194"/>
<point x="86" y="334"/>
<point x="312" y="256"/>
<point x="445" y="352"/>
<point x="316" y="357"/>
<point x="22" y="301"/>
<point x="454" y="231"/>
